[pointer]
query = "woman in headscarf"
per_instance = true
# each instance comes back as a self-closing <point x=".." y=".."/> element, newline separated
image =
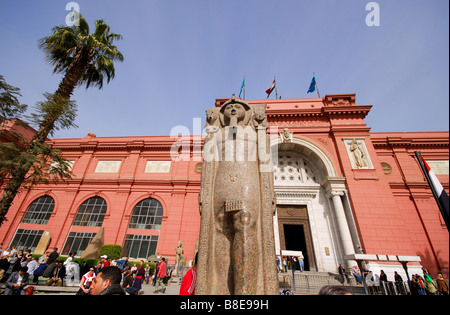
<point x="442" y="285"/>
<point x="429" y="283"/>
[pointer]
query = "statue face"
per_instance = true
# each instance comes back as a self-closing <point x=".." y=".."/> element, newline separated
<point x="211" y="115"/>
<point x="259" y="113"/>
<point x="234" y="110"/>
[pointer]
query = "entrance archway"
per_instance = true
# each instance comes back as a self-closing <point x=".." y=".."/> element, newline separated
<point x="306" y="220"/>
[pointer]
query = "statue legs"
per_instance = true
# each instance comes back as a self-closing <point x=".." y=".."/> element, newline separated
<point x="237" y="207"/>
<point x="222" y="247"/>
<point x="236" y="243"/>
<point x="245" y="253"/>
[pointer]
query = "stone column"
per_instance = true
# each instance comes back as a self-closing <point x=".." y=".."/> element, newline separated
<point x="342" y="222"/>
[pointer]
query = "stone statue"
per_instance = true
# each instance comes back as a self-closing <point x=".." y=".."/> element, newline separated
<point x="286" y="136"/>
<point x="236" y="252"/>
<point x="358" y="154"/>
<point x="72" y="271"/>
<point x="212" y="119"/>
<point x="179" y="251"/>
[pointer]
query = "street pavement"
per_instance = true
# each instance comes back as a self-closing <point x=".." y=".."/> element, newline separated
<point x="147" y="289"/>
<point x="171" y="289"/>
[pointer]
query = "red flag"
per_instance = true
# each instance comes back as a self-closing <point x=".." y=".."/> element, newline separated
<point x="272" y="87"/>
<point x="436" y="187"/>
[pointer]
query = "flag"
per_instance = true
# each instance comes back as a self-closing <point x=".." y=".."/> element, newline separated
<point x="436" y="187"/>
<point x="272" y="87"/>
<point x="312" y="86"/>
<point x="242" y="87"/>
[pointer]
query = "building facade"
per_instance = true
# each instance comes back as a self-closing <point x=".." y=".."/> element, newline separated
<point x="340" y="188"/>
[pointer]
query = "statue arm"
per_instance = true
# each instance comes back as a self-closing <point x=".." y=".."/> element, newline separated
<point x="207" y="177"/>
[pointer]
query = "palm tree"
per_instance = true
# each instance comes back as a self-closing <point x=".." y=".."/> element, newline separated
<point x="84" y="59"/>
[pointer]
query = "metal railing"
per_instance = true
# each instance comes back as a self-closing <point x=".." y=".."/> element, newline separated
<point x="312" y="283"/>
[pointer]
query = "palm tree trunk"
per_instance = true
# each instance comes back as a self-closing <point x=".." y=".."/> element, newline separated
<point x="65" y="90"/>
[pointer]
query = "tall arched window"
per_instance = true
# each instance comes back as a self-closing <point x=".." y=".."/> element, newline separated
<point x="147" y="214"/>
<point x="91" y="212"/>
<point x="39" y="211"/>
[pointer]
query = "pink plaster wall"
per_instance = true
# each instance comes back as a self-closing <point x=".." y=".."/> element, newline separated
<point x="395" y="213"/>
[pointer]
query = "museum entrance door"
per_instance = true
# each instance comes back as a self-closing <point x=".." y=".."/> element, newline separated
<point x="295" y="233"/>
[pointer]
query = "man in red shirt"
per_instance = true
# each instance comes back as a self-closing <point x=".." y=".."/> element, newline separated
<point x="189" y="279"/>
<point x="160" y="275"/>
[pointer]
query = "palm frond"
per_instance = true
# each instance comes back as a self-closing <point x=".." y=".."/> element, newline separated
<point x="65" y="44"/>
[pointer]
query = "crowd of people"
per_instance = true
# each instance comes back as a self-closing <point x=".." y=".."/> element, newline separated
<point x="419" y="285"/>
<point x="19" y="271"/>
<point x="290" y="262"/>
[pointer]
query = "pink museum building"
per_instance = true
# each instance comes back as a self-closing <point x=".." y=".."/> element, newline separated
<point x="340" y="188"/>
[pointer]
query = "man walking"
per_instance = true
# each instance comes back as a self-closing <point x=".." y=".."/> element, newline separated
<point x="160" y="275"/>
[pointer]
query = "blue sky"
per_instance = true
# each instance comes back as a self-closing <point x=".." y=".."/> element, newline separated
<point x="180" y="55"/>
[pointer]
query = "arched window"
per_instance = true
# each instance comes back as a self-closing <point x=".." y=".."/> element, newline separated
<point x="91" y="212"/>
<point x="293" y="169"/>
<point x="39" y="211"/>
<point x="147" y="214"/>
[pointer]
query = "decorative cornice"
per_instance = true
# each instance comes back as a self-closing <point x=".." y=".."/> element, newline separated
<point x="347" y="110"/>
<point x="410" y="139"/>
<point x="296" y="195"/>
<point x="411" y="143"/>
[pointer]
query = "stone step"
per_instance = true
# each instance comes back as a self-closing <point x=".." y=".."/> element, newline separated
<point x="56" y="289"/>
<point x="51" y="289"/>
<point x="310" y="282"/>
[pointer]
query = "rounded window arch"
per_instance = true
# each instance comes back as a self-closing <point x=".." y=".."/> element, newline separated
<point x="91" y="212"/>
<point x="293" y="168"/>
<point x="39" y="211"/>
<point x="147" y="214"/>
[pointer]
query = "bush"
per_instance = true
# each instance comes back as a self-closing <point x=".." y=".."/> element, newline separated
<point x="112" y="251"/>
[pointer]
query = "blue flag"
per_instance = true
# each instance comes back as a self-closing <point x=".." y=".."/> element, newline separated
<point x="312" y="86"/>
<point x="242" y="87"/>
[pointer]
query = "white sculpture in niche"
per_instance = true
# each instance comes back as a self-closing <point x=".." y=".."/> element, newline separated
<point x="358" y="153"/>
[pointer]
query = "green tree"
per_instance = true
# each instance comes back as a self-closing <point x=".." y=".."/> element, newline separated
<point x="10" y="106"/>
<point x="84" y="59"/>
<point x="46" y="162"/>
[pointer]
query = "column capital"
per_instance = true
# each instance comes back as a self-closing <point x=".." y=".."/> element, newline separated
<point x="339" y="193"/>
<point x="334" y="185"/>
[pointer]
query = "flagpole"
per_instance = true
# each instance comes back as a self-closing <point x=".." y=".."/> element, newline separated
<point x="317" y="86"/>
<point x="276" y="90"/>
<point x="242" y="88"/>
<point x="245" y="83"/>
<point x="436" y="197"/>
